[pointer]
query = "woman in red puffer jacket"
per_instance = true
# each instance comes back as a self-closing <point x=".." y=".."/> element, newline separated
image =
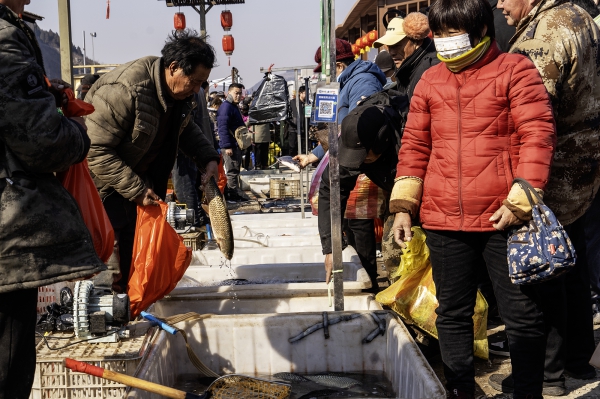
<point x="477" y="120"/>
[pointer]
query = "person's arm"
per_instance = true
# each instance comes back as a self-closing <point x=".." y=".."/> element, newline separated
<point x="552" y="62"/>
<point x="113" y="119"/>
<point x="42" y="140"/>
<point x="532" y="115"/>
<point x="318" y="152"/>
<point x="195" y="145"/>
<point x="414" y="155"/>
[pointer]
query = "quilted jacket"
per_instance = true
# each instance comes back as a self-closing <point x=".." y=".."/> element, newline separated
<point x="129" y="103"/>
<point x="469" y="134"/>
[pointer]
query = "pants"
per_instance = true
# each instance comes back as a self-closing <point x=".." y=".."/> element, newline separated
<point x="455" y="259"/>
<point x="567" y="307"/>
<point x="17" y="343"/>
<point x="247" y="158"/>
<point x="261" y="155"/>
<point x="122" y="214"/>
<point x="361" y="235"/>
<point x="184" y="176"/>
<point x="232" y="168"/>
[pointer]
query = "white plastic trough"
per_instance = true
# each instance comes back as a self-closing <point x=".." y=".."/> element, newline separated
<point x="272" y="272"/>
<point x="276" y="231"/>
<point x="241" y="304"/>
<point x="257" y="345"/>
<point x="277" y="241"/>
<point x="279" y="222"/>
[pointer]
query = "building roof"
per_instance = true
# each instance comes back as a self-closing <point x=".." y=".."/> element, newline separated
<point x="359" y="9"/>
<point x="175" y="3"/>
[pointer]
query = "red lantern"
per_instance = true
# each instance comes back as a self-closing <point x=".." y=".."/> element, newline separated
<point x="226" y="20"/>
<point x="355" y="49"/>
<point x="228" y="45"/>
<point x="179" y="21"/>
<point x="358" y="43"/>
<point x="364" y="41"/>
<point x="372" y="36"/>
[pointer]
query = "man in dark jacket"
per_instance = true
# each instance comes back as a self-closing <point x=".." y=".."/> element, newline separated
<point x="43" y="239"/>
<point x="132" y="155"/>
<point x="412" y="50"/>
<point x="229" y="118"/>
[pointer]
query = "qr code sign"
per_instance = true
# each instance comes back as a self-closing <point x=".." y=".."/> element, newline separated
<point x="326" y="109"/>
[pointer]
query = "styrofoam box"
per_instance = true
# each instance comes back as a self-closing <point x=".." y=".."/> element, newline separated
<point x="279" y="272"/>
<point x="240" y="304"/>
<point x="257" y="345"/>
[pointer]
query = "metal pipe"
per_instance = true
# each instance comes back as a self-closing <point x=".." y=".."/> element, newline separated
<point x="299" y="136"/>
<point x="334" y="172"/>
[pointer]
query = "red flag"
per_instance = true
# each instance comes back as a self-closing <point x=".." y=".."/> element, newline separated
<point x="107" y="9"/>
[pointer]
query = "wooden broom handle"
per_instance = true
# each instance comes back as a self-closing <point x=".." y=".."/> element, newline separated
<point x="86" y="368"/>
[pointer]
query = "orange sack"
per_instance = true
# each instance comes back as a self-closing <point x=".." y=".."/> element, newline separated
<point x="159" y="258"/>
<point x="79" y="183"/>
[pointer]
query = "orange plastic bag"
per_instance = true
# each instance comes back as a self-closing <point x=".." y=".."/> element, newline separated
<point x="75" y="106"/>
<point x="79" y="183"/>
<point x="159" y="258"/>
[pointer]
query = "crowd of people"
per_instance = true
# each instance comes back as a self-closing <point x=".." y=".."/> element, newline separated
<point x="477" y="93"/>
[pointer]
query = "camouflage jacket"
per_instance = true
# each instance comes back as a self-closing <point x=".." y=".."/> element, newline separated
<point x="43" y="239"/>
<point x="562" y="41"/>
<point x="129" y="103"/>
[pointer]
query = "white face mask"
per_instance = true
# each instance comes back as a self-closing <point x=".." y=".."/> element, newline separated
<point x="452" y="47"/>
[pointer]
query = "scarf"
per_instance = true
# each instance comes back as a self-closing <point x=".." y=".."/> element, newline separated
<point x="459" y="63"/>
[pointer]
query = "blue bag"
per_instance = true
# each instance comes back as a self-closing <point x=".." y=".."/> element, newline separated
<point x="541" y="249"/>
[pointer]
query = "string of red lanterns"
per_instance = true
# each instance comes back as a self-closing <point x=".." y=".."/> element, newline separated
<point x="363" y="44"/>
<point x="228" y="42"/>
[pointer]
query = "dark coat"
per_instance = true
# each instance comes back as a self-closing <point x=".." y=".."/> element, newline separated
<point x="411" y="70"/>
<point x="43" y="239"/>
<point x="359" y="79"/>
<point x="229" y="118"/>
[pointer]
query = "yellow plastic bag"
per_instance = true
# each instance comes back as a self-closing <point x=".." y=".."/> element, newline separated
<point x="412" y="296"/>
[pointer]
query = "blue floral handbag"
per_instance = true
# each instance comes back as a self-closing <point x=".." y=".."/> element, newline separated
<point x="540" y="249"/>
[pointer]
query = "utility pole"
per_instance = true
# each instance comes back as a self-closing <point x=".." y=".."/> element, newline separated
<point x="66" y="56"/>
<point x="93" y="35"/>
<point x="84" y="52"/>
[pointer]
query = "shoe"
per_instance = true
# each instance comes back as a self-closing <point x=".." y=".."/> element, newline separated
<point x="587" y="374"/>
<point x="242" y="197"/>
<point x="456" y="394"/>
<point x="499" y="348"/>
<point x="504" y="383"/>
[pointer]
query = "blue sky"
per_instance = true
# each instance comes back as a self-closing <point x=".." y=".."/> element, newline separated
<point x="280" y="32"/>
